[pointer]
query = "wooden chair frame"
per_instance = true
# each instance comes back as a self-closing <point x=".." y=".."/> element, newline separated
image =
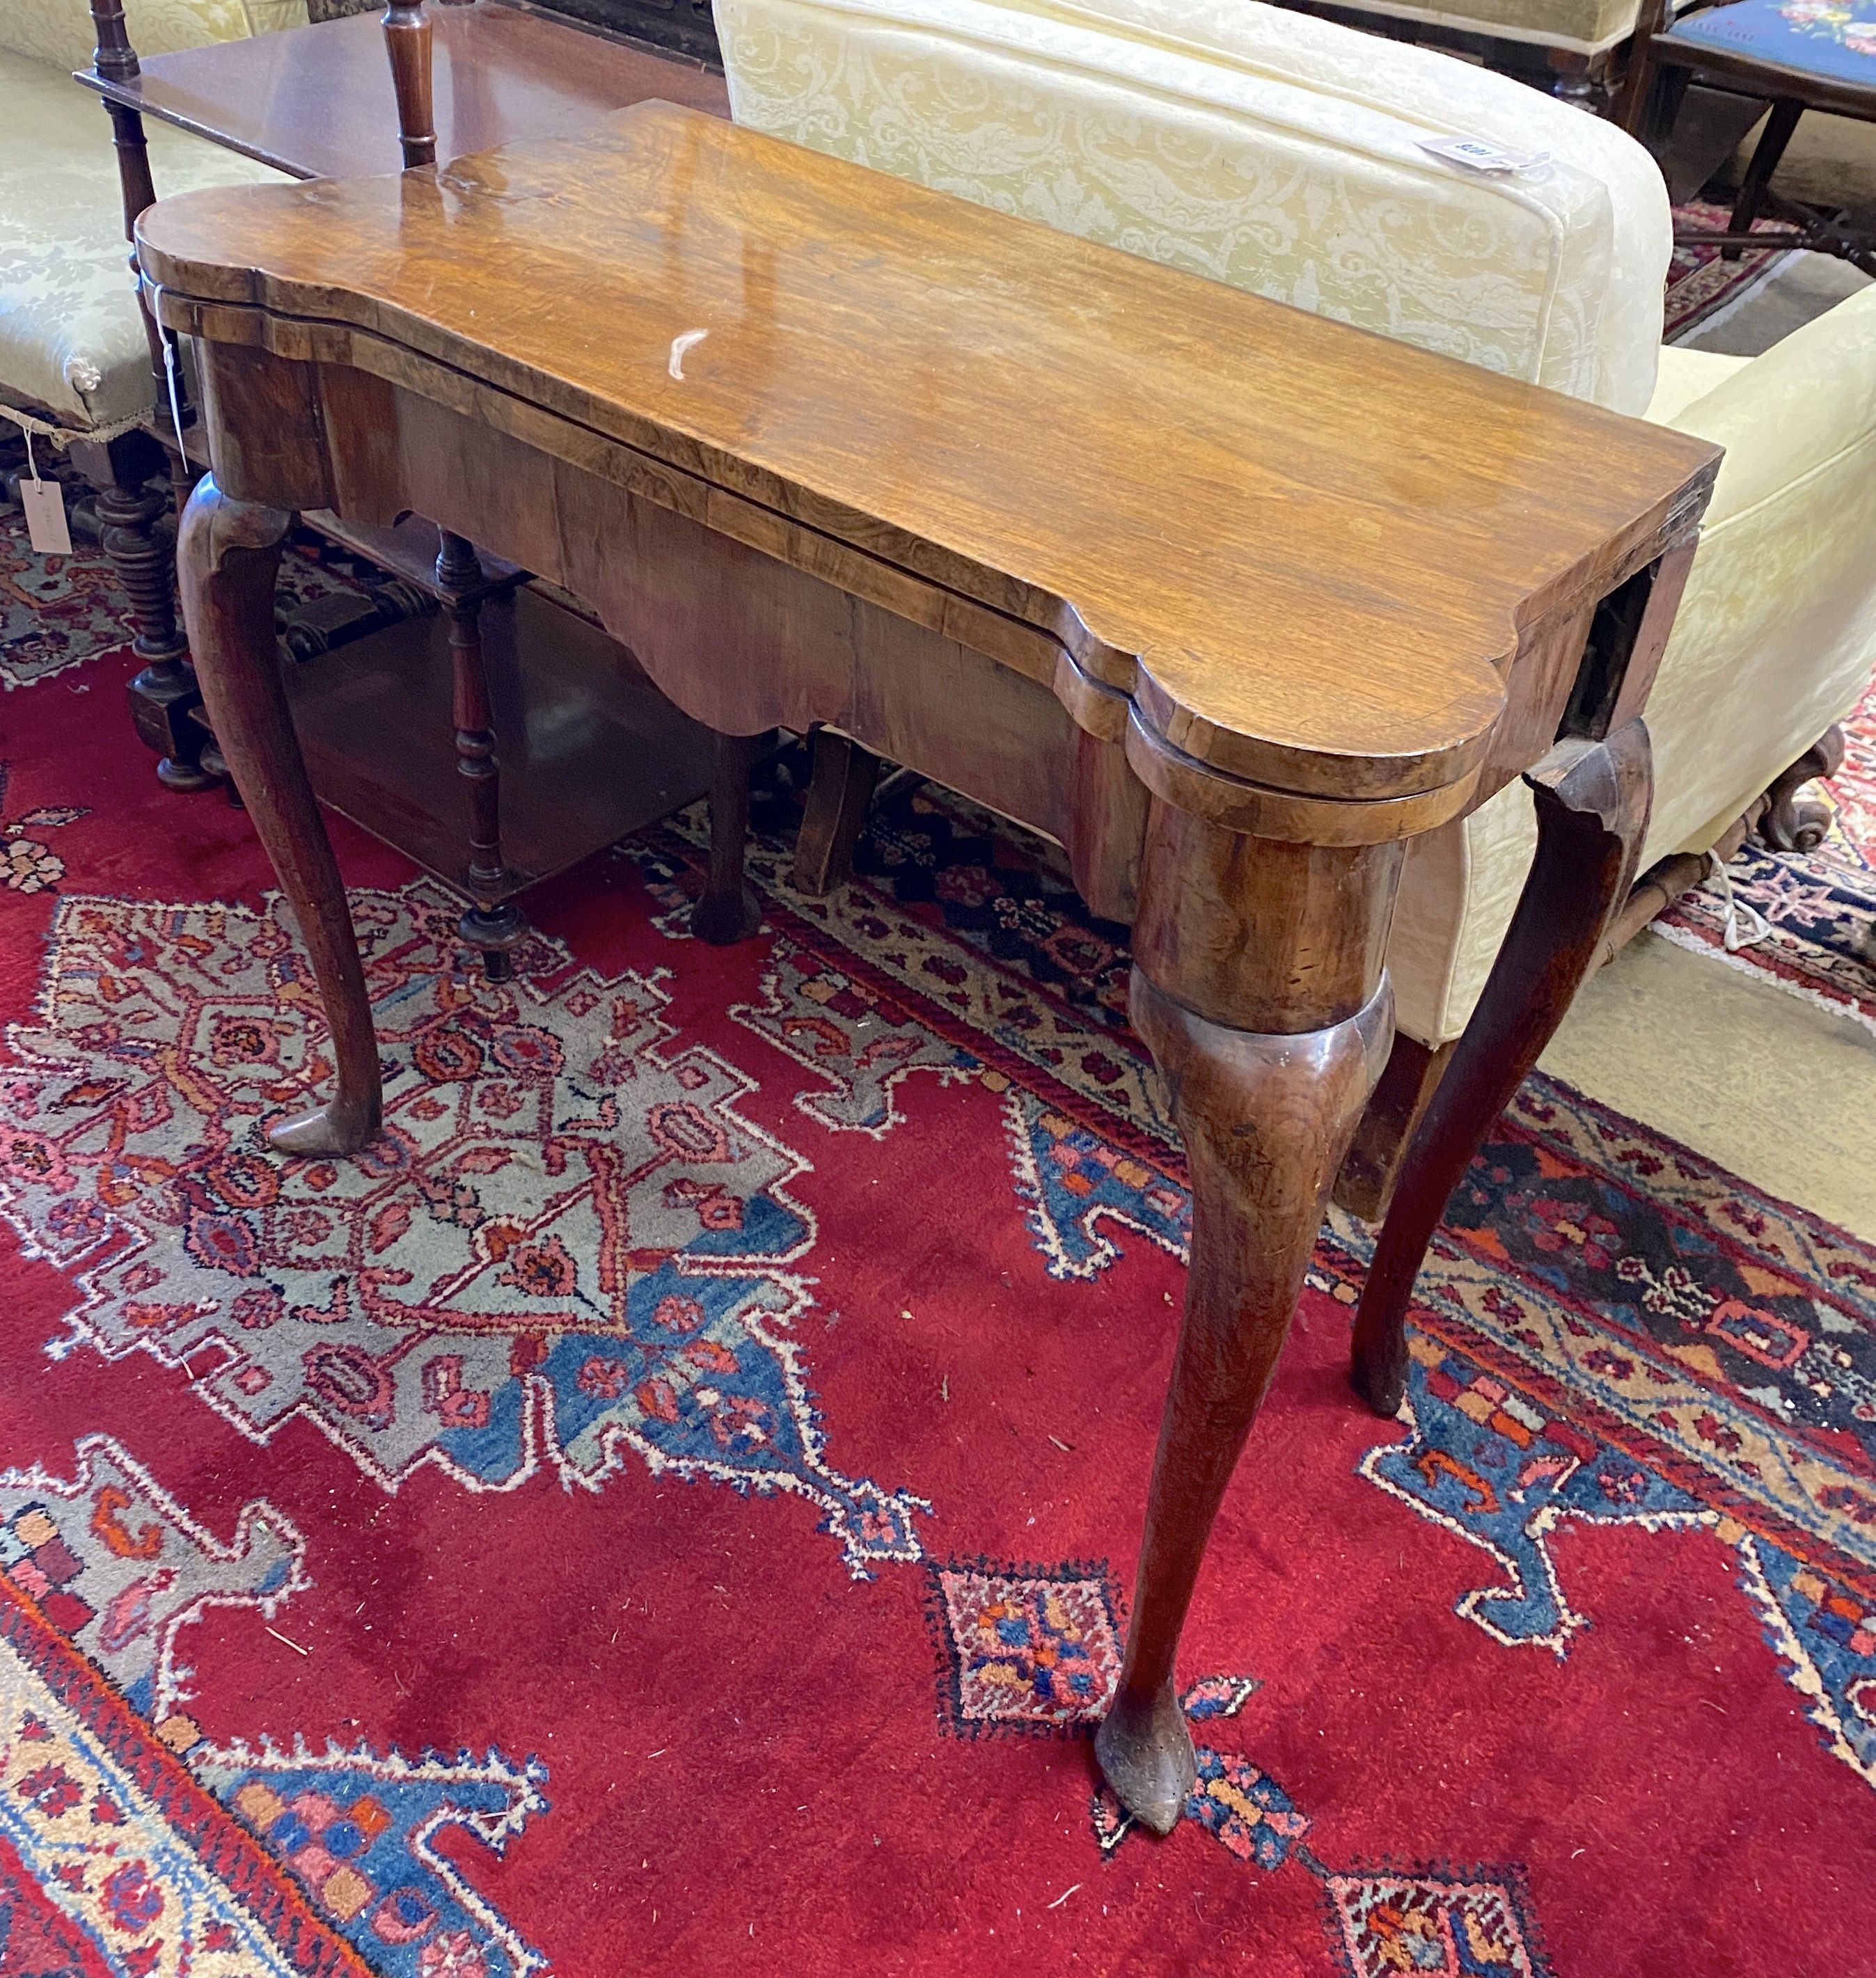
<point x="1658" y="76"/>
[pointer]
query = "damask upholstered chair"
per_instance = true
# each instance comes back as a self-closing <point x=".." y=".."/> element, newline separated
<point x="1285" y="154"/>
<point x="75" y="355"/>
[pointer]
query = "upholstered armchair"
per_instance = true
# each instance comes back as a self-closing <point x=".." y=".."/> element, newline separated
<point x="78" y="365"/>
<point x="1284" y="154"/>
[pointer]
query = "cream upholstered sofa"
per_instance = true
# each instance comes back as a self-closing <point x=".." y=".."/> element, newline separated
<point x="1282" y="153"/>
<point x="74" y="354"/>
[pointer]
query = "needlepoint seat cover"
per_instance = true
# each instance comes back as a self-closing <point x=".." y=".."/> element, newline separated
<point x="1835" y="39"/>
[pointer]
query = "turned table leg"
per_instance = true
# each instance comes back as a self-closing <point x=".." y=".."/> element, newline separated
<point x="1259" y="989"/>
<point x="1593" y="804"/>
<point x="228" y="554"/>
<point x="491" y="922"/>
<point x="163" y="694"/>
<point x="407" y="38"/>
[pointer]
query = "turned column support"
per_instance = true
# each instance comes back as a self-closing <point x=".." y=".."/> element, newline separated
<point x="491" y="922"/>
<point x="228" y="556"/>
<point x="407" y="40"/>
<point x="163" y="693"/>
<point x="1258" y="986"/>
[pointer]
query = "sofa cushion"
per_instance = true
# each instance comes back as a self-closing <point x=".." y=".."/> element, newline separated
<point x="1262" y="148"/>
<point x="72" y="336"/>
<point x="59" y="32"/>
<point x="1685" y="375"/>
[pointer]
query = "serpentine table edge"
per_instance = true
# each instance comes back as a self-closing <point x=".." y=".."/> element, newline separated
<point x="1232" y="600"/>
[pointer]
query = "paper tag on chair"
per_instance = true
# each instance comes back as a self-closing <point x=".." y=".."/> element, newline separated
<point x="1477" y="155"/>
<point x="45" y="503"/>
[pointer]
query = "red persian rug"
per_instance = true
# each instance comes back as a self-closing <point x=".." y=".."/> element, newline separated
<point x="1700" y="282"/>
<point x="669" y="1506"/>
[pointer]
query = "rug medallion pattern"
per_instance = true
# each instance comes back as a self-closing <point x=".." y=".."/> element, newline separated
<point x="566" y="1247"/>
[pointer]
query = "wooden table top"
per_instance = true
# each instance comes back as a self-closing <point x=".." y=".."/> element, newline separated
<point x="316" y="102"/>
<point x="1307" y="550"/>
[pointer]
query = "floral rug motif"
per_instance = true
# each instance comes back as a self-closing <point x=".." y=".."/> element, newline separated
<point x="1820" y="906"/>
<point x="566" y="1245"/>
<point x="148" y="1853"/>
<point x="1383" y="1924"/>
<point x="118" y="1568"/>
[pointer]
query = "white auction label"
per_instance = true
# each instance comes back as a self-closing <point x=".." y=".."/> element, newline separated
<point x="45" y="503"/>
<point x="1477" y="155"/>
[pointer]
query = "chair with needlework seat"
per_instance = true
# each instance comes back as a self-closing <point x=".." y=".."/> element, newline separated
<point x="1800" y="54"/>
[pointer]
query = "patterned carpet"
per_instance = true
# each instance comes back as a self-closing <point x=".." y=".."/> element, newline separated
<point x="1819" y="908"/>
<point x="669" y="1507"/>
<point x="1700" y="282"/>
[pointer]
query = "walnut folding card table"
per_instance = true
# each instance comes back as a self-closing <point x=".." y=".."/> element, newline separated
<point x="1232" y="600"/>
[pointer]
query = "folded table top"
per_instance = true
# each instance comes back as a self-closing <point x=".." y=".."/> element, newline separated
<point x="1310" y="550"/>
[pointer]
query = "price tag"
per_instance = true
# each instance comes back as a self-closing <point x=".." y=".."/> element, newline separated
<point x="45" y="503"/>
<point x="1477" y="155"/>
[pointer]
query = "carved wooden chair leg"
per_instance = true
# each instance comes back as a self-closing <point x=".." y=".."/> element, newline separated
<point x="1785" y="824"/>
<point x="229" y="554"/>
<point x="728" y="911"/>
<point x="1757" y="182"/>
<point x="164" y="694"/>
<point x="1593" y="805"/>
<point x="1258" y="986"/>
<point x="838" y="791"/>
<point x="491" y="922"/>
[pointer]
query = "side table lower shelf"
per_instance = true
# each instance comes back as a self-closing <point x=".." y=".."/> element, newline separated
<point x="589" y="750"/>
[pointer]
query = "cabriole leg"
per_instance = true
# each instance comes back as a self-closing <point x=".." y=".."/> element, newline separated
<point x="228" y="555"/>
<point x="1592" y="804"/>
<point x="1258" y="988"/>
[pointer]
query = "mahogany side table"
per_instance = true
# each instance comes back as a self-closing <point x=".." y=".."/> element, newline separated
<point x="824" y="446"/>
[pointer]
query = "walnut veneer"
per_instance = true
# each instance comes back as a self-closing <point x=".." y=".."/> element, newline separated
<point x="1230" y="599"/>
